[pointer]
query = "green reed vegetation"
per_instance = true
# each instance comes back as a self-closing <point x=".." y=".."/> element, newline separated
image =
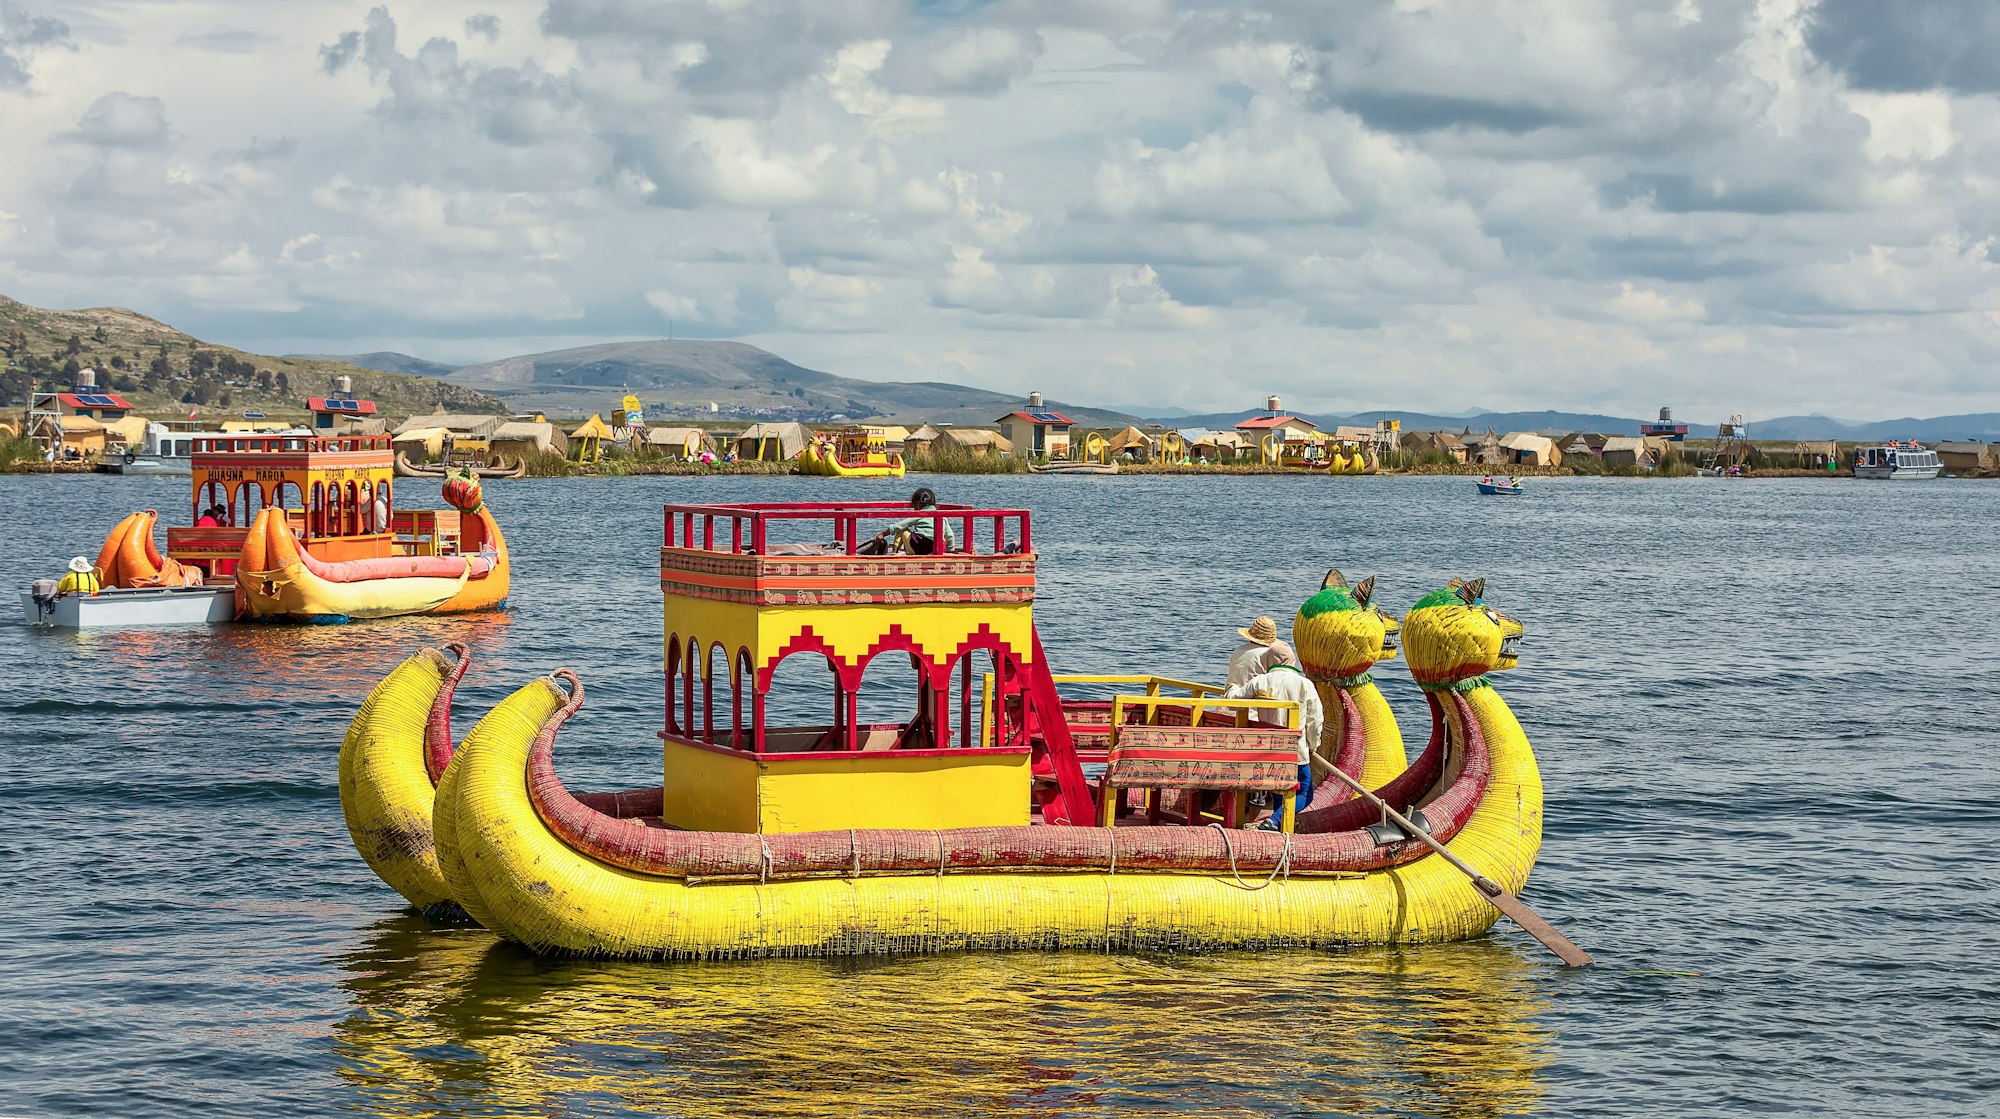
<point x="623" y="463"/>
<point x="18" y="452"/>
<point x="959" y="460"/>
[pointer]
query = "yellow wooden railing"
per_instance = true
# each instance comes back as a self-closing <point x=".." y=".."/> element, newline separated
<point x="1198" y="697"/>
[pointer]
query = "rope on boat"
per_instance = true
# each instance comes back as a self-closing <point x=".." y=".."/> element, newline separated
<point x="854" y="849"/>
<point x="1284" y="863"/>
<point x="764" y="861"/>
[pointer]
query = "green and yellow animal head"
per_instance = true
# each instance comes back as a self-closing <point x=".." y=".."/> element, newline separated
<point x="1339" y="633"/>
<point x="1451" y="635"/>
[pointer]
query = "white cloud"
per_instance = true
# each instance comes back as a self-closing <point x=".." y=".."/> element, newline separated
<point x="1757" y="203"/>
<point x="1640" y="304"/>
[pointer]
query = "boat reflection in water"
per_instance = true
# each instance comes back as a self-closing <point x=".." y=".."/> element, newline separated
<point x="441" y="1021"/>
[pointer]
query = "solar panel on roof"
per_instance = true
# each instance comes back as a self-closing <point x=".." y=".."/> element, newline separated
<point x="1048" y="417"/>
<point x="97" y="400"/>
<point x="343" y="405"/>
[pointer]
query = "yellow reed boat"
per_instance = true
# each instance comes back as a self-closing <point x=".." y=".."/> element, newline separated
<point x="858" y="452"/>
<point x="1010" y="810"/>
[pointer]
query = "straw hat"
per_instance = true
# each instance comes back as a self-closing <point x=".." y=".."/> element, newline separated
<point x="1263" y="631"/>
<point x="80" y="565"/>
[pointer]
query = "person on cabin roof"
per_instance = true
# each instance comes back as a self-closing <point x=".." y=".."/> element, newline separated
<point x="82" y="578"/>
<point x="912" y="534"/>
<point x="1284" y="681"/>
<point x="1261" y="649"/>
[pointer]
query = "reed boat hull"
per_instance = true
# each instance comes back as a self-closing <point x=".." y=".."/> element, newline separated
<point x="405" y="468"/>
<point x="278" y="580"/>
<point x="511" y="869"/>
<point x="821" y="461"/>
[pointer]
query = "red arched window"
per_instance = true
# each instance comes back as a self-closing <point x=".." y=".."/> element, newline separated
<point x="316" y="513"/>
<point x="673" y="676"/>
<point x="739" y="682"/>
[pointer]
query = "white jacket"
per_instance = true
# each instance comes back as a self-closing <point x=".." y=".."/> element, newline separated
<point x="1250" y="658"/>
<point x="1286" y="682"/>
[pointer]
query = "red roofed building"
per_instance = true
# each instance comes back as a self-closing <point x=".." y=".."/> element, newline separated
<point x="1036" y="432"/>
<point x="339" y="413"/>
<point x="104" y="407"/>
<point x="1289" y="429"/>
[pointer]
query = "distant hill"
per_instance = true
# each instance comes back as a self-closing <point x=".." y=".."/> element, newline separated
<point x="1548" y="423"/>
<point x="1981" y="426"/>
<point x="684" y="377"/>
<point x="387" y="361"/>
<point x="163" y="371"/>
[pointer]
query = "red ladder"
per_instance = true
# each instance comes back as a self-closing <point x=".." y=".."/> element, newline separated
<point x="1043" y="713"/>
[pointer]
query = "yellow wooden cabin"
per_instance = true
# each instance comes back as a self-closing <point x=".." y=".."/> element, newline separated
<point x="739" y="604"/>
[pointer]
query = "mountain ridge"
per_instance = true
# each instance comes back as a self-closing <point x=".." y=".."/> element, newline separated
<point x="387" y="361"/>
<point x="162" y="370"/>
<point x="1974" y="426"/>
<point x="691" y="376"/>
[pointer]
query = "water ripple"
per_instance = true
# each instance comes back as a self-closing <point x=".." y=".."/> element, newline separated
<point x="1760" y="708"/>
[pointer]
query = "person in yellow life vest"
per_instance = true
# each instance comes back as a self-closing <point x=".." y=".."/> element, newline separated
<point x="82" y="578"/>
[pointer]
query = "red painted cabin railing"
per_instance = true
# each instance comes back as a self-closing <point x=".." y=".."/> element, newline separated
<point x="287" y="444"/>
<point x="745" y="529"/>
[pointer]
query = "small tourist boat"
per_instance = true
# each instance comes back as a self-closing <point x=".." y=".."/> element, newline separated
<point x="858" y="452"/>
<point x="162" y="452"/>
<point x="1903" y="461"/>
<point x="309" y="531"/>
<point x="125" y="608"/>
<point x="1006" y="812"/>
<point x="1491" y="488"/>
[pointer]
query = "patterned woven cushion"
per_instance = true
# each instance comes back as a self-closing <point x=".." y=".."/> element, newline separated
<point x="1208" y="758"/>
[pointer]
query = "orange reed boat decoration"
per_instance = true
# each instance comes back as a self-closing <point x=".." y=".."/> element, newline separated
<point x="308" y="529"/>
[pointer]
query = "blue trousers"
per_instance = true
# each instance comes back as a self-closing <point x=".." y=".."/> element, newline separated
<point x="1305" y="788"/>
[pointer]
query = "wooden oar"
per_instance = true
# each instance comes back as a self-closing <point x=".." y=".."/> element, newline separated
<point x="1515" y="909"/>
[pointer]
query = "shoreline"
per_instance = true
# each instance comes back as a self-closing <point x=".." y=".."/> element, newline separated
<point x="1175" y="470"/>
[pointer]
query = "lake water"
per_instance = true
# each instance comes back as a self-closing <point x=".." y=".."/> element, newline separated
<point x="1763" y="711"/>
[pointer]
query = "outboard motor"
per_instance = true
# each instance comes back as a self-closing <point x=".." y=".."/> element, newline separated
<point x="43" y="591"/>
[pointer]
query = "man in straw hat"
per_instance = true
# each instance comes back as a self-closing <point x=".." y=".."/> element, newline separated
<point x="1284" y="681"/>
<point x="1260" y="650"/>
<point x="82" y="578"/>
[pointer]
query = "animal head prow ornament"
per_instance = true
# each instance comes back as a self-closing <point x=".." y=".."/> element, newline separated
<point x="1338" y="634"/>
<point x="1451" y="636"/>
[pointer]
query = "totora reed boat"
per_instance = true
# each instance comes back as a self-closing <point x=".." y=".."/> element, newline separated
<point x="858" y="452"/>
<point x="303" y="528"/>
<point x="1014" y="808"/>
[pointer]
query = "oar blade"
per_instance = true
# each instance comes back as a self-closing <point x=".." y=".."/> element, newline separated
<point x="1518" y="912"/>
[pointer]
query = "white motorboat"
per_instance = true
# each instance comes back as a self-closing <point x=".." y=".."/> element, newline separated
<point x="163" y="452"/>
<point x="118" y="608"/>
<point x="1900" y="462"/>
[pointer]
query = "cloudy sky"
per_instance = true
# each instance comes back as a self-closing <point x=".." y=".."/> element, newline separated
<point x="1727" y="205"/>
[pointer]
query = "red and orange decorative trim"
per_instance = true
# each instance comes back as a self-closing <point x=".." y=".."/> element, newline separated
<point x="846" y="580"/>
